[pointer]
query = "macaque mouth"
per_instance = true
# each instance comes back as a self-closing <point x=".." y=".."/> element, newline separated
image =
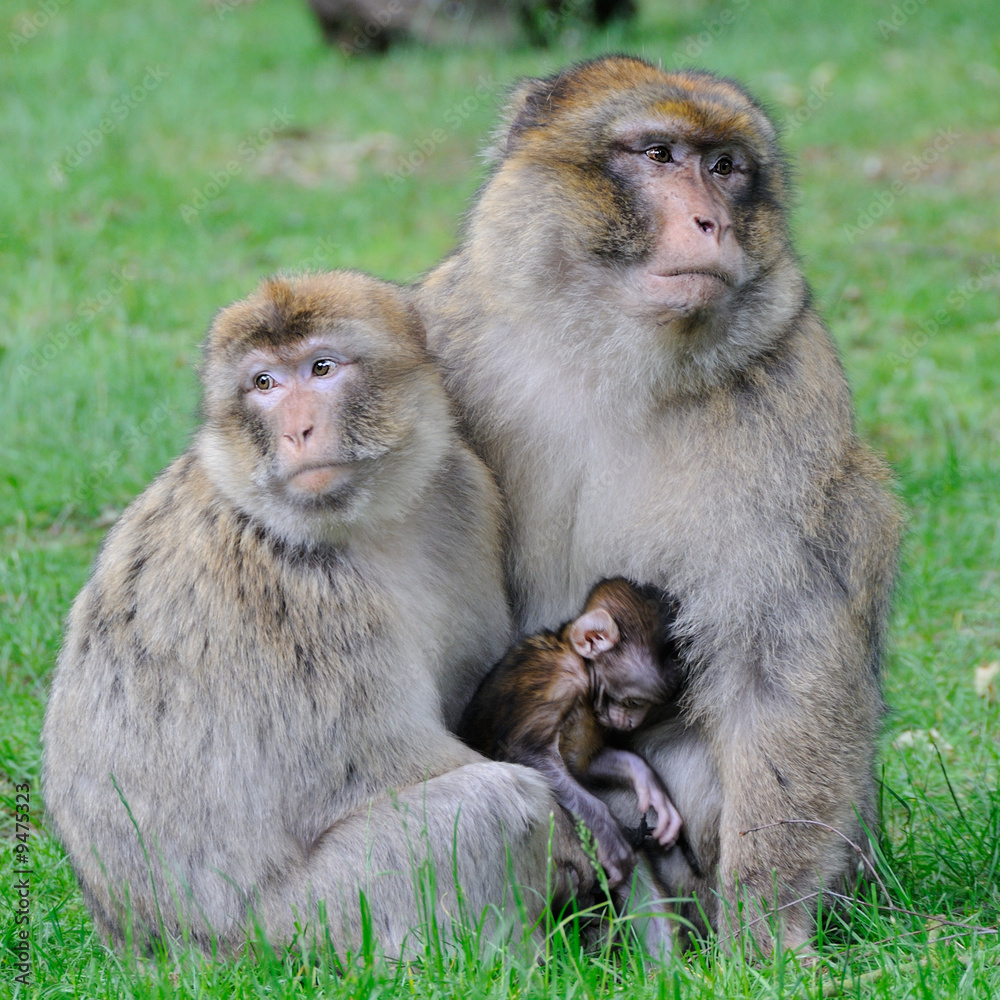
<point x="684" y="291"/>
<point x="317" y="478"/>
<point x="726" y="279"/>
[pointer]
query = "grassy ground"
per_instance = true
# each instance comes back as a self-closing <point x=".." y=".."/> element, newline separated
<point x="159" y="158"/>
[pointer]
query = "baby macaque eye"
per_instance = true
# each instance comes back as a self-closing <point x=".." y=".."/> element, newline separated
<point x="263" y="382"/>
<point x="633" y="704"/>
<point x="659" y="154"/>
<point x="323" y="367"/>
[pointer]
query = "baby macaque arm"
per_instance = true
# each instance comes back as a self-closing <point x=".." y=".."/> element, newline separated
<point x="613" y="850"/>
<point x="624" y="765"/>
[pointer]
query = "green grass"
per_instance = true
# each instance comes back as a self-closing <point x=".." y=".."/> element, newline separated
<point x="107" y="285"/>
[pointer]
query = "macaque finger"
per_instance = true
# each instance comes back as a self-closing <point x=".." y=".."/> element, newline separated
<point x="645" y="799"/>
<point x="615" y="856"/>
<point x="668" y="819"/>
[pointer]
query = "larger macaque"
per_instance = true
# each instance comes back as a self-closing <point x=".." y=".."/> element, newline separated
<point x="249" y="716"/>
<point x="632" y="344"/>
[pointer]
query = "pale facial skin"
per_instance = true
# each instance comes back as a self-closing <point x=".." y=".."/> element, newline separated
<point x="696" y="258"/>
<point x="298" y="394"/>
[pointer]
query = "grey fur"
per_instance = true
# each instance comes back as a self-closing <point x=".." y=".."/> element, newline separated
<point x="713" y="455"/>
<point x="249" y="715"/>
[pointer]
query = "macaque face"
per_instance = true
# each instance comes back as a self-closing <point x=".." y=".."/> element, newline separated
<point x="314" y="391"/>
<point x="671" y="183"/>
<point x="296" y="397"/>
<point x="624" y="715"/>
<point x="626" y="684"/>
<point x="687" y="192"/>
<point x="625" y="679"/>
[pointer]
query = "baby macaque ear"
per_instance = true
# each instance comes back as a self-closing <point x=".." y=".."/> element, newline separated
<point x="593" y="632"/>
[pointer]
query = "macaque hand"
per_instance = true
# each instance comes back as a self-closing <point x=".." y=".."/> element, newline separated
<point x="614" y="853"/>
<point x="652" y="795"/>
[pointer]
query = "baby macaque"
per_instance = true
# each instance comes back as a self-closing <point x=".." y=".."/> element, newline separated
<point x="551" y="700"/>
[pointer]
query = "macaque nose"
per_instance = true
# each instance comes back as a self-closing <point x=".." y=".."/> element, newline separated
<point x="713" y="224"/>
<point x="299" y="437"/>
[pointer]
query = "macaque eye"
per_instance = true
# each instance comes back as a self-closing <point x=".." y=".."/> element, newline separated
<point x="263" y="382"/>
<point x="633" y="704"/>
<point x="660" y="154"/>
<point x="323" y="367"/>
<point x="723" y="166"/>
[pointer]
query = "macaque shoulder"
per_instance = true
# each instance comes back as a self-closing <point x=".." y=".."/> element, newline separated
<point x="183" y="568"/>
<point x="463" y="508"/>
<point x="798" y="384"/>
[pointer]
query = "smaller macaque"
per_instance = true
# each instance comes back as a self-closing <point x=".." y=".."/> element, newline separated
<point x="550" y="702"/>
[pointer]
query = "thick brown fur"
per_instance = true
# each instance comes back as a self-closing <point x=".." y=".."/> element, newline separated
<point x="249" y="716"/>
<point x="552" y="701"/>
<point x="631" y="342"/>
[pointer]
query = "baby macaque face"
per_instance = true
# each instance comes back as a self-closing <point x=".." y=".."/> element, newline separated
<point x="624" y="677"/>
<point x="626" y="683"/>
<point x="621" y="713"/>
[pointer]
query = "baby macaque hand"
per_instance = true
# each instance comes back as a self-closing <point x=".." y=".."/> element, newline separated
<point x="652" y="795"/>
<point x="623" y="765"/>
<point x="614" y="853"/>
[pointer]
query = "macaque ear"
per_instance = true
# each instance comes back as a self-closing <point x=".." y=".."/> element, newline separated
<point x="522" y="111"/>
<point x="415" y="326"/>
<point x="594" y="632"/>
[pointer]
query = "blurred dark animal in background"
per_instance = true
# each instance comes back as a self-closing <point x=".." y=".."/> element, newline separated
<point x="371" y="26"/>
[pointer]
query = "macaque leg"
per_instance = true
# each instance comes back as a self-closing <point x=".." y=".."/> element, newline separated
<point x="436" y="854"/>
<point x="624" y="765"/>
<point x="795" y="775"/>
<point x="650" y="914"/>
